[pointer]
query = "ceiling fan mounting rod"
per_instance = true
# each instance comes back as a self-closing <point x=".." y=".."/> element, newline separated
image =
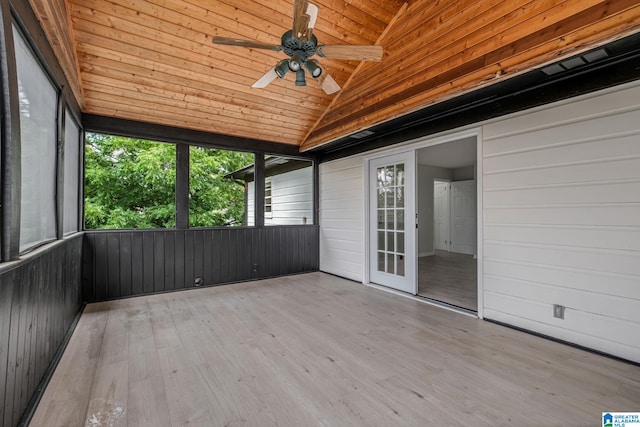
<point x="292" y="45"/>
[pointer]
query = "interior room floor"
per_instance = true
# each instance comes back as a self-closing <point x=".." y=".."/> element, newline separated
<point x="313" y="350"/>
<point x="449" y="277"/>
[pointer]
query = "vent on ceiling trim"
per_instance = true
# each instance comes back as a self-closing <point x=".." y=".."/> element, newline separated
<point x="576" y="61"/>
<point x="362" y="134"/>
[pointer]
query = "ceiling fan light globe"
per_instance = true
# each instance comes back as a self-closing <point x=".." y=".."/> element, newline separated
<point x="314" y="68"/>
<point x="294" y="66"/>
<point x="295" y="63"/>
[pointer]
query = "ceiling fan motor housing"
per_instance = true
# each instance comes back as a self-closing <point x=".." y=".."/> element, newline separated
<point x="303" y="48"/>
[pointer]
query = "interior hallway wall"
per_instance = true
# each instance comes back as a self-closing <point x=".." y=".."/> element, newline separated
<point x="426" y="176"/>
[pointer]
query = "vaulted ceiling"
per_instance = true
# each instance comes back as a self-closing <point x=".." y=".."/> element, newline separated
<point x="154" y="60"/>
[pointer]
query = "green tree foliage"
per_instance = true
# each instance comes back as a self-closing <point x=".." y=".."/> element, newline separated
<point x="130" y="183"/>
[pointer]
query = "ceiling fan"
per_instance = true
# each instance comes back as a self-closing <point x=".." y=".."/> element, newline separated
<point x="300" y="44"/>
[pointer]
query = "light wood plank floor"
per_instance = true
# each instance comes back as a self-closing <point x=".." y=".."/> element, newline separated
<point x="316" y="350"/>
<point x="449" y="277"/>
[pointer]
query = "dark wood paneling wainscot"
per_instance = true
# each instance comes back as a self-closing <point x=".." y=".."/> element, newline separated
<point x="121" y="263"/>
<point x="39" y="300"/>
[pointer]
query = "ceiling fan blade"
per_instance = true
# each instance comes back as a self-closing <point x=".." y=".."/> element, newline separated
<point x="264" y="81"/>
<point x="329" y="85"/>
<point x="351" y="52"/>
<point x="245" y="43"/>
<point x="300" y="23"/>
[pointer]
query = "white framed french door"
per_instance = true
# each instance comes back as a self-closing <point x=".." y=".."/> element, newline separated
<point x="392" y="223"/>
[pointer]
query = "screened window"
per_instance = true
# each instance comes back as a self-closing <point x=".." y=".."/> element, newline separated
<point x="71" y="173"/>
<point x="215" y="200"/>
<point x="129" y="183"/>
<point x="38" y="110"/>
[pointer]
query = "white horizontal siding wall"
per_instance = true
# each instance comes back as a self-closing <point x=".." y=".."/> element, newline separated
<point x="251" y="195"/>
<point x="291" y="198"/>
<point x="562" y="221"/>
<point x="342" y="218"/>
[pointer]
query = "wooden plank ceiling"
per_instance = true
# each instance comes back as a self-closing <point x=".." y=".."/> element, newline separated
<point x="153" y="60"/>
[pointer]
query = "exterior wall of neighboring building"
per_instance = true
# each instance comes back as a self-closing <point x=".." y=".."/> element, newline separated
<point x="291" y="198"/>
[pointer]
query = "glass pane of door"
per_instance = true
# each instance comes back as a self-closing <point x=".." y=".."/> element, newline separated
<point x="390" y="190"/>
<point x="392" y="221"/>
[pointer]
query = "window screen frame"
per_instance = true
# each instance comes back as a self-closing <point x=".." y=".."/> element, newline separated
<point x="70" y="118"/>
<point x="18" y="31"/>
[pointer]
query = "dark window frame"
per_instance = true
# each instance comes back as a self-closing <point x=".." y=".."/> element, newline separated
<point x="20" y="15"/>
<point x="57" y="166"/>
<point x="129" y="130"/>
<point x="79" y="169"/>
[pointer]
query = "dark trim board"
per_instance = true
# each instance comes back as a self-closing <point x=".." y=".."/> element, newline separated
<point x="316" y="193"/>
<point x="259" y="189"/>
<point x="9" y="141"/>
<point x="156" y="132"/>
<point x="518" y="93"/>
<point x="182" y="186"/>
<point x="272" y="166"/>
<point x="39" y="300"/>
<point x="124" y="263"/>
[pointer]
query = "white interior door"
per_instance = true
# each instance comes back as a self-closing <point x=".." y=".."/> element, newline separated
<point x="441" y="216"/>
<point x="392" y="225"/>
<point x="463" y="217"/>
